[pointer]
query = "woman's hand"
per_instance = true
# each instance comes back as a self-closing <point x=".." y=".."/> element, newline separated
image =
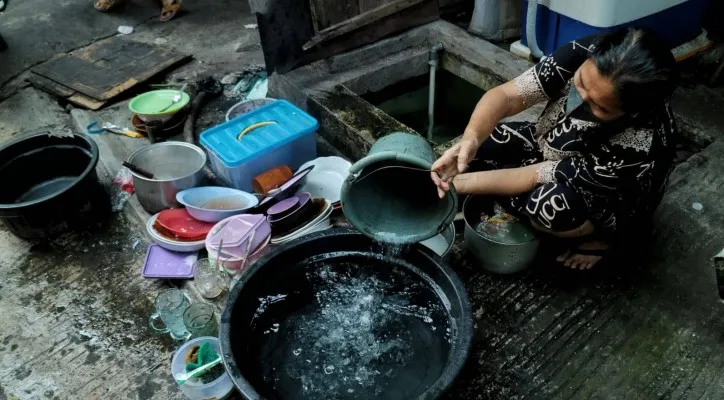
<point x="453" y="162"/>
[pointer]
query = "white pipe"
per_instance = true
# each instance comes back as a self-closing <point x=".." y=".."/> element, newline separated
<point x="431" y="101"/>
<point x="431" y="93"/>
<point x="530" y="29"/>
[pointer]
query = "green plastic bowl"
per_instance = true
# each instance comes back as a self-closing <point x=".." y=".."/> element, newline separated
<point x="148" y="105"/>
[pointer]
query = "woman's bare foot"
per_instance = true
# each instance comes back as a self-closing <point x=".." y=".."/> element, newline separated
<point x="169" y="8"/>
<point x="585" y="256"/>
<point x="107" y="5"/>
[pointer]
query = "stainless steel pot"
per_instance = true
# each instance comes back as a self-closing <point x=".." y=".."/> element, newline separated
<point x="175" y="166"/>
<point x="500" y="258"/>
<point x="442" y="243"/>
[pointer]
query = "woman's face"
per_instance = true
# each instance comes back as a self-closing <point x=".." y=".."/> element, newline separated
<point x="597" y="91"/>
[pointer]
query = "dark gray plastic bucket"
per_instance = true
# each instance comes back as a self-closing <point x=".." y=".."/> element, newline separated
<point x="389" y="195"/>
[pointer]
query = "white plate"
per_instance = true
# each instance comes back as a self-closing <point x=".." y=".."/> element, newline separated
<point x="308" y="228"/>
<point x="184" y="247"/>
<point x="327" y="177"/>
<point x="318" y="227"/>
<point x="321" y="228"/>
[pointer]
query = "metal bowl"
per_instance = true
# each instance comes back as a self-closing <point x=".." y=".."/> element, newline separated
<point x="442" y="243"/>
<point x="500" y="258"/>
<point x="176" y="166"/>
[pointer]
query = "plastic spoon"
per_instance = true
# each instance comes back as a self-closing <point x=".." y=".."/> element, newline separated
<point x="176" y="98"/>
<point x="185" y="376"/>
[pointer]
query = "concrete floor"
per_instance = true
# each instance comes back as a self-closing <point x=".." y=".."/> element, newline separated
<point x="73" y="321"/>
<point x="75" y="309"/>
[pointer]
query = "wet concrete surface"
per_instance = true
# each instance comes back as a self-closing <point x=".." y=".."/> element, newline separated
<point x="74" y="320"/>
<point x="212" y="31"/>
<point x="74" y="310"/>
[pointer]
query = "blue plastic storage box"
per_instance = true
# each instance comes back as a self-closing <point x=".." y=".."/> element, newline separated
<point x="561" y="21"/>
<point x="290" y="140"/>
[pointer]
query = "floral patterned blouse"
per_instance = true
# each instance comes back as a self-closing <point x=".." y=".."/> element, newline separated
<point x="621" y="165"/>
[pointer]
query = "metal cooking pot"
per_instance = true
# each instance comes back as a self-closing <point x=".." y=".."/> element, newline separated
<point x="175" y="166"/>
<point x="500" y="258"/>
<point x="435" y="243"/>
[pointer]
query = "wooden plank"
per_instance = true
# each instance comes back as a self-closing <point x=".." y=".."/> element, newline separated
<point x="367" y="5"/>
<point x="420" y="14"/>
<point x="450" y="3"/>
<point x="105" y="69"/>
<point x="361" y="20"/>
<point x="50" y="86"/>
<point x="326" y="13"/>
<point x="85" y="101"/>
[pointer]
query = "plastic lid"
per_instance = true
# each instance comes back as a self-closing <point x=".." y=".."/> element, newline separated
<point x="236" y="231"/>
<point x="166" y="264"/>
<point x="180" y="223"/>
<point x="290" y="123"/>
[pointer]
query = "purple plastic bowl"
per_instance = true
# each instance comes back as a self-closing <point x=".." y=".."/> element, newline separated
<point x="302" y="202"/>
<point x="284" y="207"/>
<point x="296" y="219"/>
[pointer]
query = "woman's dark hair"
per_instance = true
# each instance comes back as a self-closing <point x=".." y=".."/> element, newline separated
<point x="641" y="66"/>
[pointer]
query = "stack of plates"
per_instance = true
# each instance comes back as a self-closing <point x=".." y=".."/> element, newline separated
<point x="325" y="178"/>
<point x="319" y="223"/>
<point x="170" y="244"/>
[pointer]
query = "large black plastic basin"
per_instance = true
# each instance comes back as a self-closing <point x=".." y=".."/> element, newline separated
<point x="330" y="316"/>
<point x="50" y="185"/>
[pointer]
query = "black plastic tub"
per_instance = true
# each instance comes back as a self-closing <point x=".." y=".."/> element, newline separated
<point x="50" y="185"/>
<point x="334" y="315"/>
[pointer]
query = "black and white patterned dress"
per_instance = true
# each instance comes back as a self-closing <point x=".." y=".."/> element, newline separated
<point x="611" y="173"/>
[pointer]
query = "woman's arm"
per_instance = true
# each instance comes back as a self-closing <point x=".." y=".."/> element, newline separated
<point x="501" y="182"/>
<point x="500" y="102"/>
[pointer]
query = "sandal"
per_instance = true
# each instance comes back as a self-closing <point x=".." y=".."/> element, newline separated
<point x="107" y="5"/>
<point x="169" y="8"/>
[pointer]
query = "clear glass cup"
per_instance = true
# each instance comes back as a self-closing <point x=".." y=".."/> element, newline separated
<point x="200" y="320"/>
<point x="170" y="306"/>
<point x="210" y="281"/>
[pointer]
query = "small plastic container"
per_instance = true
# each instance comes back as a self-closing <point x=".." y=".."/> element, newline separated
<point x="234" y="265"/>
<point x="218" y="389"/>
<point x="233" y="234"/>
<point x="289" y="139"/>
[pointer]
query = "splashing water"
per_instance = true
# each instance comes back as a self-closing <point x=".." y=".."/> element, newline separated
<point x="391" y="249"/>
<point x="357" y="332"/>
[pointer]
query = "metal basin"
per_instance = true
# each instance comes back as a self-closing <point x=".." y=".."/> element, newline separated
<point x="442" y="243"/>
<point x="500" y="258"/>
<point x="176" y="166"/>
<point x="328" y="316"/>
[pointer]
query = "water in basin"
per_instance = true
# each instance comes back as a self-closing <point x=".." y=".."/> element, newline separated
<point x="351" y="330"/>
